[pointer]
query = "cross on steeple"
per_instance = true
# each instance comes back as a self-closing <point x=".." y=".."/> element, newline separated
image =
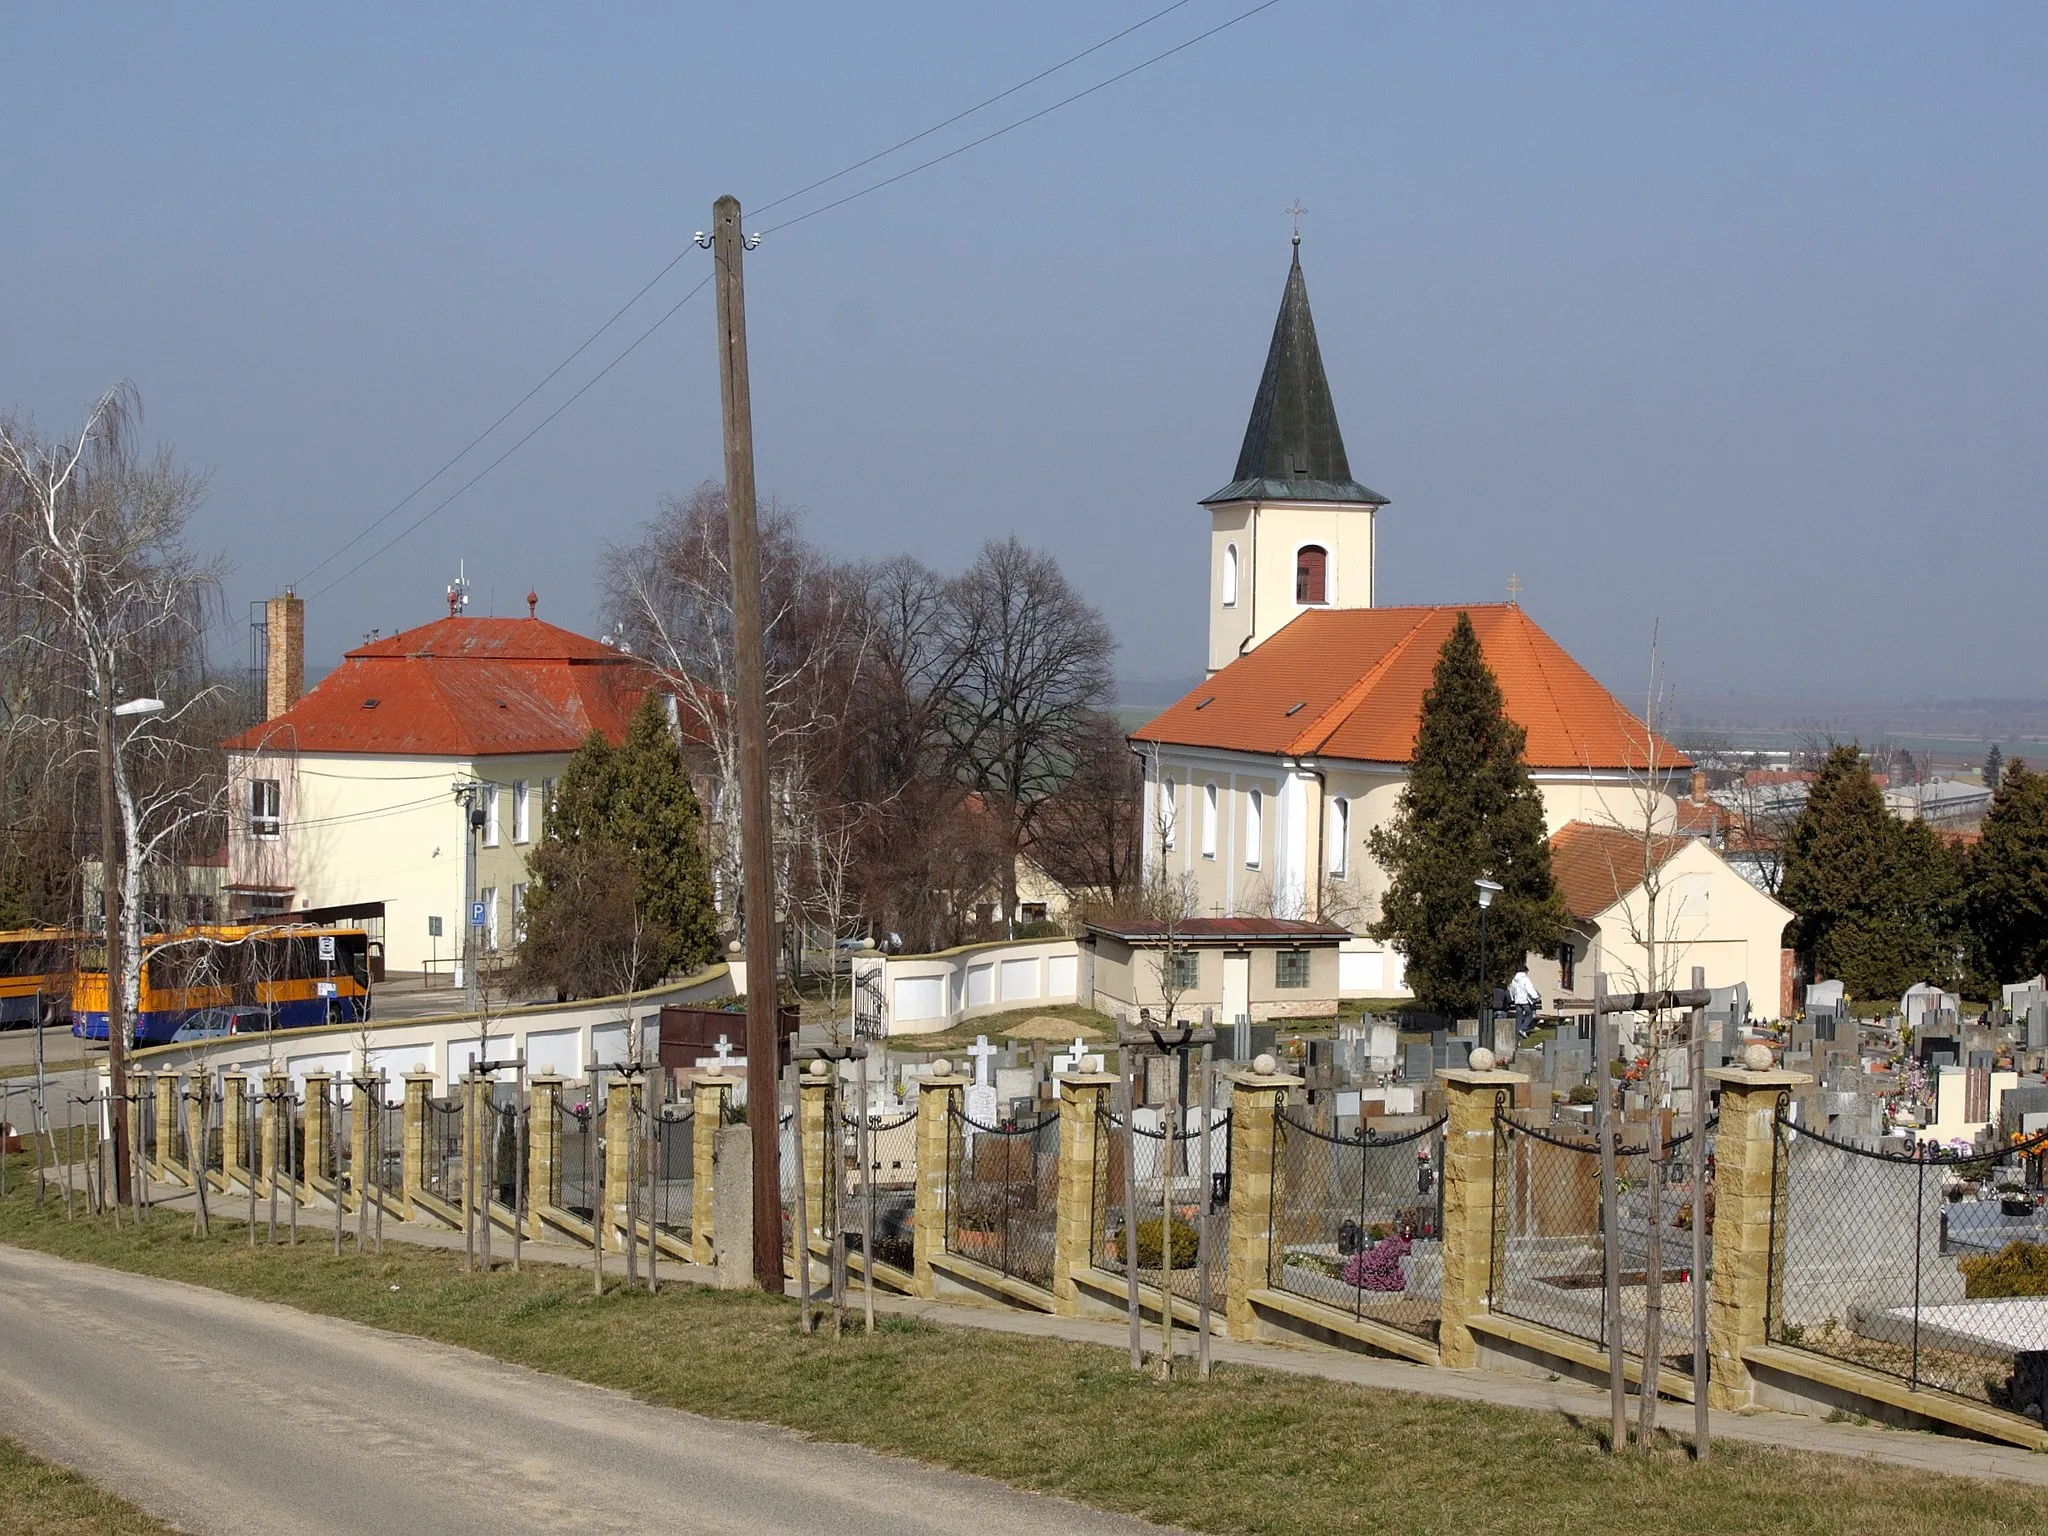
<point x="1514" y="587"/>
<point x="1296" y="211"/>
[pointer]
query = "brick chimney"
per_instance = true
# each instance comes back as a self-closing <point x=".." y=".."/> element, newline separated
<point x="285" y="666"/>
<point x="1699" y="786"/>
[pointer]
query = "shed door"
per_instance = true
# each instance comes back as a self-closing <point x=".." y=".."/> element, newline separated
<point x="1237" y="985"/>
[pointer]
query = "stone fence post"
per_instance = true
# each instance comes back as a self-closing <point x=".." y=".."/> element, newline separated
<point x="276" y="1124"/>
<point x="417" y="1123"/>
<point x="1744" y="1192"/>
<point x="319" y="1129"/>
<point x="197" y="1126"/>
<point x="166" y="1126"/>
<point x="543" y="1147"/>
<point x="1079" y="1220"/>
<point x="234" y="1126"/>
<point x="619" y="1136"/>
<point x="1468" y="1204"/>
<point x="708" y="1096"/>
<point x="1255" y="1100"/>
<point x="937" y="1095"/>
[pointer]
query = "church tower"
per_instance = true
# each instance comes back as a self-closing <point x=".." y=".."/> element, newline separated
<point x="1292" y="530"/>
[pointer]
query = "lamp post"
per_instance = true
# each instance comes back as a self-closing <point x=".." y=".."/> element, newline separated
<point x="117" y="1023"/>
<point x="1488" y="889"/>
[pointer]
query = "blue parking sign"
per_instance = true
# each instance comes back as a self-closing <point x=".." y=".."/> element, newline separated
<point x="476" y="914"/>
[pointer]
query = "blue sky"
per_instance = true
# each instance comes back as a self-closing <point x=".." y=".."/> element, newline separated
<point x="1729" y="316"/>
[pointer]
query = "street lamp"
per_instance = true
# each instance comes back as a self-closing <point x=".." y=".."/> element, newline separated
<point x="1488" y="889"/>
<point x="117" y="1026"/>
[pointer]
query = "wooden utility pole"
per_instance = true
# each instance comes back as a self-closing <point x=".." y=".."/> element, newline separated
<point x="751" y="706"/>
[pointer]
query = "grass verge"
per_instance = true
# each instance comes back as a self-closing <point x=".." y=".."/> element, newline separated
<point x="1250" y="1451"/>
<point x="36" y="1496"/>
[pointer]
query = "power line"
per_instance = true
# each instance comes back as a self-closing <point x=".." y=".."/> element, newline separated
<point x="532" y="432"/>
<point x="1068" y="101"/>
<point x="510" y="410"/>
<point x="883" y="154"/>
<point x="671" y="265"/>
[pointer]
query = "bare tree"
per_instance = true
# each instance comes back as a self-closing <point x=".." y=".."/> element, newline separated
<point x="1034" y="662"/>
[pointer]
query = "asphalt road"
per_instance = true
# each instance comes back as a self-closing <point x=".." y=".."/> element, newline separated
<point x="220" y="1414"/>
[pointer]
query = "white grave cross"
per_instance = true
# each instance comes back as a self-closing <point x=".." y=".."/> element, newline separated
<point x="981" y="1098"/>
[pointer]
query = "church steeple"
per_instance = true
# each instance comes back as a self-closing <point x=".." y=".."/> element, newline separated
<point x="1293" y="449"/>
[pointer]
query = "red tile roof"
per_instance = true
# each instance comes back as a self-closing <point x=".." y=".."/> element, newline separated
<point x="1595" y="867"/>
<point x="1348" y="683"/>
<point x="463" y="687"/>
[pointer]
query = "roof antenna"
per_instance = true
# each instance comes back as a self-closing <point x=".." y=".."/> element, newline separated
<point x="458" y="590"/>
<point x="1297" y="211"/>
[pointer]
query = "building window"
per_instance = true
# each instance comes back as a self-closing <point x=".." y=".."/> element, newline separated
<point x="1566" y="964"/>
<point x="521" y="820"/>
<point x="265" y="814"/>
<point x="1208" y="821"/>
<point x="1340" y="838"/>
<point x="1169" y="811"/>
<point x="1184" y="972"/>
<point x="489" y="897"/>
<point x="1311" y="574"/>
<point x="1290" y="968"/>
<point x="1230" y="575"/>
<point x="1254" y="827"/>
<point x="1033" y="912"/>
<point x="519" y="912"/>
<point x="490" y="815"/>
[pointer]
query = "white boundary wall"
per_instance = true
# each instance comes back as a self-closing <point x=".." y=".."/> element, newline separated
<point x="558" y="1038"/>
<point x="924" y="994"/>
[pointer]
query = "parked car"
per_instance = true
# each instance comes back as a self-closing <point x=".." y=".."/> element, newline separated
<point x="216" y="1023"/>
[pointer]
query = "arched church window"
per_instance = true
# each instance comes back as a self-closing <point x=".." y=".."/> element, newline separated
<point x="1230" y="575"/>
<point x="1311" y="574"/>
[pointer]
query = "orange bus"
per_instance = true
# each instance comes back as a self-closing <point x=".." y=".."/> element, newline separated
<point x="302" y="976"/>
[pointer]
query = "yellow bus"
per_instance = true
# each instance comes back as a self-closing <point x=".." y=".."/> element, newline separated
<point x="301" y="976"/>
<point x="35" y="974"/>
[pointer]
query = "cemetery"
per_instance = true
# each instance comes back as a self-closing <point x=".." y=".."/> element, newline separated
<point x="1849" y="1215"/>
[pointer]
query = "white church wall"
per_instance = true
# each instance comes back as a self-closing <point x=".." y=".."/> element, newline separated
<point x="1606" y="800"/>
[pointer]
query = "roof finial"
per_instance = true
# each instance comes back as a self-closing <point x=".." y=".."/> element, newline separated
<point x="1296" y="211"/>
<point x="532" y="603"/>
<point x="1515" y="588"/>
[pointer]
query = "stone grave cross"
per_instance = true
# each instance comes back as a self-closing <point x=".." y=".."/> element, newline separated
<point x="981" y="1098"/>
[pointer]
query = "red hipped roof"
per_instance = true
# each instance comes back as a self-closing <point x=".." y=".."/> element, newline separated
<point x="1348" y="683"/>
<point x="463" y="687"/>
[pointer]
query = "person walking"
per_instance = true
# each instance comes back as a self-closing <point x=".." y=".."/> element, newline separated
<point x="1523" y="997"/>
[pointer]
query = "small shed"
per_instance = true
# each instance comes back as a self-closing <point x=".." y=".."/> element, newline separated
<point x="1239" y="967"/>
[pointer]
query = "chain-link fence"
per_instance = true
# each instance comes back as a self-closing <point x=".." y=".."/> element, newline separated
<point x="443" y="1171"/>
<point x="1175" y="1256"/>
<point x="887" y="1175"/>
<point x="1002" y="1194"/>
<point x="1923" y="1265"/>
<point x="1357" y="1221"/>
<point x="579" y="1177"/>
<point x="675" y="1165"/>
<point x="1549" y="1249"/>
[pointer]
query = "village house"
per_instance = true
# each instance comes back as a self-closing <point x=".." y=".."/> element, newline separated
<point x="348" y="795"/>
<point x="1264" y="783"/>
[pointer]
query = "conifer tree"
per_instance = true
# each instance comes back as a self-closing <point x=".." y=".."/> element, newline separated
<point x="620" y="889"/>
<point x="2008" y="874"/>
<point x="1923" y="927"/>
<point x="1838" y="862"/>
<point x="1468" y="810"/>
<point x="655" y="818"/>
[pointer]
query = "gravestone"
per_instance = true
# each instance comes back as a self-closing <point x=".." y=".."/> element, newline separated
<point x="982" y="1104"/>
<point x="732" y="1207"/>
<point x="1418" y="1061"/>
<point x="1265" y="1038"/>
<point x="2037" y="1022"/>
<point x="1381" y="1046"/>
<point x="1014" y="1083"/>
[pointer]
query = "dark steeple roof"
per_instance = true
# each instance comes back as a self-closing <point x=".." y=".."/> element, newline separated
<point x="1293" y="450"/>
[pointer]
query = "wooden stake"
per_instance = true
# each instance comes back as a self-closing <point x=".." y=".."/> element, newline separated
<point x="1123" y="1063"/>
<point x="1610" y="1212"/>
<point x="1696" y="1071"/>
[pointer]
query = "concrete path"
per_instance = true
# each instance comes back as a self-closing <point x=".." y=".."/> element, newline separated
<point x="221" y="1414"/>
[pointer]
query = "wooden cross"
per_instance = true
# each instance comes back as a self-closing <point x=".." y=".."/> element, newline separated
<point x="1296" y="211"/>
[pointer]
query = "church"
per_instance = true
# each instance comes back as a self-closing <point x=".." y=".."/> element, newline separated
<point x="1262" y="785"/>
